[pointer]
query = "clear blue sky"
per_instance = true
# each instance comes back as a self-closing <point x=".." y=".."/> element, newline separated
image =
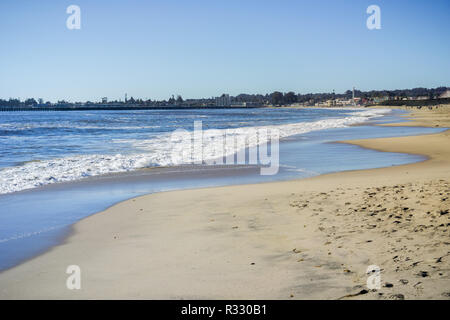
<point x="152" y="49"/>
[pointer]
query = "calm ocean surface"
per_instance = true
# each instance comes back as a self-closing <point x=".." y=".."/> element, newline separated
<point x="59" y="167"/>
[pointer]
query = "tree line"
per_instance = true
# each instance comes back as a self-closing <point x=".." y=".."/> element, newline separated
<point x="274" y="98"/>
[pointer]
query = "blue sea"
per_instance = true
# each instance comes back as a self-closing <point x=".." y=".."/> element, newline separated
<point x="40" y="148"/>
<point x="58" y="167"/>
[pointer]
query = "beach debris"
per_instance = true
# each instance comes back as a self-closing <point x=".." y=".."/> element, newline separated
<point x="363" y="291"/>
<point x="403" y="281"/>
<point x="423" y="274"/>
<point x="388" y="285"/>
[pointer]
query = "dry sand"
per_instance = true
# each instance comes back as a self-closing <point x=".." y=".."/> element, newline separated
<point x="303" y="239"/>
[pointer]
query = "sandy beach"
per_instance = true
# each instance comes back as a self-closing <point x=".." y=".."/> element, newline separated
<point x="304" y="239"/>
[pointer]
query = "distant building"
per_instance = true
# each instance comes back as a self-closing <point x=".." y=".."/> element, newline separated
<point x="41" y="101"/>
<point x="353" y="96"/>
<point x="344" y="102"/>
<point x="223" y="101"/>
<point x="239" y="104"/>
<point x="446" y="94"/>
<point x="104" y="100"/>
<point x="331" y="102"/>
<point x="380" y="99"/>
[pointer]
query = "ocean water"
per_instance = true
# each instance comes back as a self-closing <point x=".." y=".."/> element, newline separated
<point x="40" y="148"/>
<point x="59" y="167"/>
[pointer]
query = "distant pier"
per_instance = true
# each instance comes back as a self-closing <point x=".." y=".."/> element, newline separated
<point x="127" y="108"/>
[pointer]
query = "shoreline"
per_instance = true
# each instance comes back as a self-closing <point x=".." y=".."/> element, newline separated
<point x="249" y="207"/>
<point x="52" y="209"/>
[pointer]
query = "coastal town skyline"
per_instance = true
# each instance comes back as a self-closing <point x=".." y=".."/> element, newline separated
<point x="349" y="97"/>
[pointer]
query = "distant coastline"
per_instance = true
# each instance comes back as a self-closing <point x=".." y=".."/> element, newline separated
<point x="121" y="107"/>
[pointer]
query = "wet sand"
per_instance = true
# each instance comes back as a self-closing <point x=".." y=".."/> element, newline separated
<point x="304" y="239"/>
